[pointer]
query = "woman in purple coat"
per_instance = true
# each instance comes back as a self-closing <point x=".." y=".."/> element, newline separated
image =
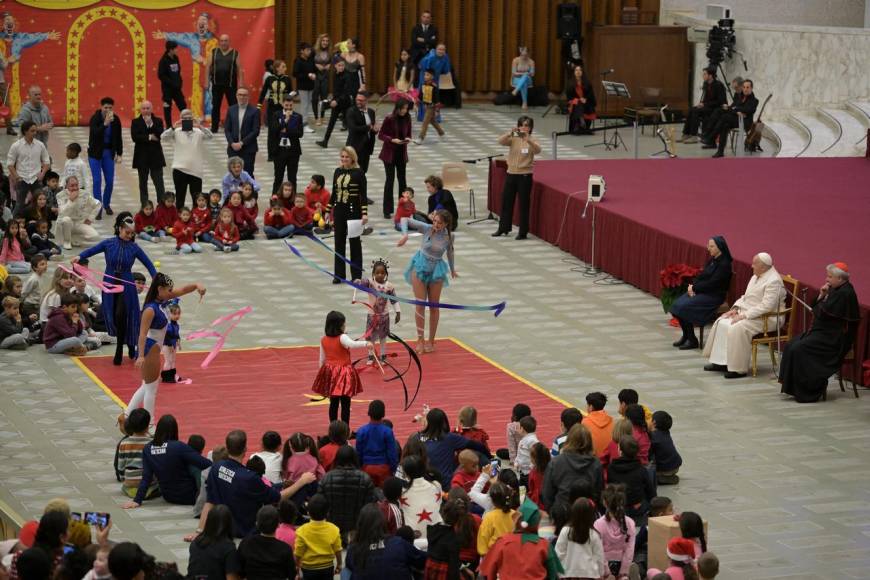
<point x="396" y="134"/>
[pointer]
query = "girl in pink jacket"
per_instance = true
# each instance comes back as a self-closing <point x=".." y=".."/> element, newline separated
<point x="617" y="531"/>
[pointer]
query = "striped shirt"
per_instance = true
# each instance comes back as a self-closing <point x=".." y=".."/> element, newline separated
<point x="130" y="463"/>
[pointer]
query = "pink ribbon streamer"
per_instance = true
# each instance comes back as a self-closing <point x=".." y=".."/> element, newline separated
<point x="91" y="276"/>
<point x="221" y="337"/>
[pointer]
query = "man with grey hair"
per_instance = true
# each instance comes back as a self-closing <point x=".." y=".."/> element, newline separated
<point x="35" y="110"/>
<point x="808" y="361"/>
<point x="731" y="337"/>
<point x="148" y="159"/>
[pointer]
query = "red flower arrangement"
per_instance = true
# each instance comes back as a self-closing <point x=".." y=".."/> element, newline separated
<point x="675" y="279"/>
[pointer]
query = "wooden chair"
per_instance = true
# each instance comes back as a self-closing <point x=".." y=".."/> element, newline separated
<point x="455" y="178"/>
<point x="769" y="335"/>
<point x="723" y="308"/>
<point x="849" y="358"/>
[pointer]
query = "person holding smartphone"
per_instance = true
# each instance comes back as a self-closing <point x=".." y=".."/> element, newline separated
<point x="187" y="170"/>
<point x="396" y="134"/>
<point x="521" y="157"/>
<point x="105" y="148"/>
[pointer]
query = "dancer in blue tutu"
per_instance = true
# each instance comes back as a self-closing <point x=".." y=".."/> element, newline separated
<point x="428" y="273"/>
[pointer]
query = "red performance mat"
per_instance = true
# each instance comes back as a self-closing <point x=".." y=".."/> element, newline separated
<point x="264" y="389"/>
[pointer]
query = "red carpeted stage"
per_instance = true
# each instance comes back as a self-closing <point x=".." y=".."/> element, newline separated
<point x="806" y="213"/>
<point x="223" y="396"/>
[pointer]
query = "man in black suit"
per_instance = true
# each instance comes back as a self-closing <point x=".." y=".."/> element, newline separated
<point x="242" y="127"/>
<point x="743" y="107"/>
<point x="424" y="37"/>
<point x="362" y="129"/>
<point x="145" y="130"/>
<point x="712" y="99"/>
<point x="344" y="89"/>
<point x="286" y="129"/>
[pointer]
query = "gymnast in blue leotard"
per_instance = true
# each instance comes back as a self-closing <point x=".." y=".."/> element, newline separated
<point x="152" y="331"/>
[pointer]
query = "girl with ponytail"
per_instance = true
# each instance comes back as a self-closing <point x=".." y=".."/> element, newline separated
<point x="617" y="531"/>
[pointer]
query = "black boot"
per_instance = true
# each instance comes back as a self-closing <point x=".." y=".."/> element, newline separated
<point x="119" y="354"/>
<point x="167" y="376"/>
<point x="690" y="342"/>
<point x="683" y="338"/>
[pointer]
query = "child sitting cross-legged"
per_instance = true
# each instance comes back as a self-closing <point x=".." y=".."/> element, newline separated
<point x="166" y="212"/>
<point x="241" y="217"/>
<point x="202" y="219"/>
<point x="148" y="226"/>
<point x="301" y="217"/>
<point x="627" y="470"/>
<point x="64" y="333"/>
<point x="183" y="232"/>
<point x="271" y="455"/>
<point x="40" y="241"/>
<point x="276" y="221"/>
<point x="663" y="451"/>
<point x="225" y="237"/>
<point x="13" y="335"/>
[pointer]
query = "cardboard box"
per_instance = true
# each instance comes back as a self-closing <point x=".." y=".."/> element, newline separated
<point x="661" y="530"/>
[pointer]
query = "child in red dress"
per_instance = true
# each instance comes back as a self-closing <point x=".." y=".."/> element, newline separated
<point x="337" y="379"/>
<point x="225" y="236"/>
<point x="241" y="217"/>
<point x="202" y="221"/>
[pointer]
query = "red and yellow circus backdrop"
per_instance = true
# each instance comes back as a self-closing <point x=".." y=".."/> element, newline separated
<point x="79" y="51"/>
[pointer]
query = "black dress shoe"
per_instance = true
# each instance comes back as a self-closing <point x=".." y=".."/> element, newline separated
<point x="100" y="215"/>
<point x="321" y="144"/>
<point x="689" y="345"/>
<point x="681" y="342"/>
<point x="733" y="375"/>
<point x="708" y="146"/>
<point x="521" y="237"/>
<point x="718" y="154"/>
<point x="369" y="201"/>
<point x="336" y="281"/>
<point x="388" y="216"/>
<point x="715" y="368"/>
<point x="498" y="233"/>
<point x="109" y="210"/>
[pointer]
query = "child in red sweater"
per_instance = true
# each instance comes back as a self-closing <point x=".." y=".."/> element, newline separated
<point x="201" y="218"/>
<point x="167" y="213"/>
<point x="249" y="200"/>
<point x="276" y="221"/>
<point x="301" y="217"/>
<point x="246" y="225"/>
<point x="225" y="236"/>
<point x="468" y="471"/>
<point x="148" y="226"/>
<point x="286" y="195"/>
<point x="468" y="426"/>
<point x="406" y="208"/>
<point x="316" y="194"/>
<point x="183" y="231"/>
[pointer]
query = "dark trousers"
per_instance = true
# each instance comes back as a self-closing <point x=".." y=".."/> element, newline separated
<point x="364" y="158"/>
<point x="319" y="574"/>
<point x="345" y="409"/>
<point x="271" y="143"/>
<point x="22" y="188"/>
<point x="156" y="178"/>
<point x="285" y="161"/>
<point x="218" y="92"/>
<point x="182" y="181"/>
<point x="248" y="158"/>
<point x="726" y="121"/>
<point x="333" y="117"/>
<point x="169" y="97"/>
<point x="392" y="171"/>
<point x="514" y="185"/>
<point x="319" y="94"/>
<point x="356" y="257"/>
<point x="695" y="120"/>
<point x="120" y="315"/>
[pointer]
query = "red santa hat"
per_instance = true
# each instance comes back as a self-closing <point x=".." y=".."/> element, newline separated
<point x="681" y="549"/>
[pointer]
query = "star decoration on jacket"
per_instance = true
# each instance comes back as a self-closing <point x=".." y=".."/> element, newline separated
<point x="424" y="516"/>
<point x="404" y="501"/>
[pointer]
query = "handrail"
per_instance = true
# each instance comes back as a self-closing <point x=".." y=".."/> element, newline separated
<point x="10" y="522"/>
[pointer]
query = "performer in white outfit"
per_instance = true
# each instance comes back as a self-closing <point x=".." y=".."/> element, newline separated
<point x="730" y="341"/>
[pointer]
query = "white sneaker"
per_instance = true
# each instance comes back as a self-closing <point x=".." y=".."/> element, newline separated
<point x="308" y="129"/>
<point x="227" y="249"/>
<point x="155" y="240"/>
<point x="417" y="141"/>
<point x="67" y="246"/>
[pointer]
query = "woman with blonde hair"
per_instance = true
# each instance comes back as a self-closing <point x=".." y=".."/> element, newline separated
<point x="349" y="213"/>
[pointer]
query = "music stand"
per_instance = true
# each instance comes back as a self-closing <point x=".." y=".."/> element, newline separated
<point x="620" y="91"/>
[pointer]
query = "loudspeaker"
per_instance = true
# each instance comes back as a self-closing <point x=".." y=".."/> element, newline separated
<point x="538" y="96"/>
<point x="568" y="21"/>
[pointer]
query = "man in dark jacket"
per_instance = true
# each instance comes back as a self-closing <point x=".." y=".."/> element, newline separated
<point x="169" y="73"/>
<point x="285" y="130"/>
<point x="743" y="107"/>
<point x="145" y="131"/>
<point x="345" y="87"/>
<point x="105" y="148"/>
<point x="241" y="128"/>
<point x="713" y="97"/>
<point x="424" y="37"/>
<point x="362" y="129"/>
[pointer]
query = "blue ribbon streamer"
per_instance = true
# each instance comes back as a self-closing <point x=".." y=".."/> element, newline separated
<point x="496" y="308"/>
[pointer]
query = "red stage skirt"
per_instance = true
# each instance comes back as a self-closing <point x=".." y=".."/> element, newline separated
<point x="337" y="381"/>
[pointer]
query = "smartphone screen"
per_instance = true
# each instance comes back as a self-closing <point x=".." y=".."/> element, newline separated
<point x="187" y="124"/>
<point x="77" y="516"/>
<point x="67" y="548"/>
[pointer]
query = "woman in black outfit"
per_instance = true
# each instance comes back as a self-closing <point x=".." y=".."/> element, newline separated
<point x="581" y="103"/>
<point x="699" y="304"/>
<point x="213" y="553"/>
<point x="396" y="134"/>
<point x="348" y="203"/>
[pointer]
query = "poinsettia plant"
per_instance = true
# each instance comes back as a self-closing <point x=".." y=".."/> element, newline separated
<point x="675" y="279"/>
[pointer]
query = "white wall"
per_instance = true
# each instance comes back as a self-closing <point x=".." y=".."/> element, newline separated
<point x="851" y="13"/>
<point x="804" y="67"/>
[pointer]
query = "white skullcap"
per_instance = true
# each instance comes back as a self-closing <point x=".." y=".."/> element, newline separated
<point x="765" y="258"/>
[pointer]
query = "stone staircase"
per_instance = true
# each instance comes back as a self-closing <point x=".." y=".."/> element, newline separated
<point x="824" y="132"/>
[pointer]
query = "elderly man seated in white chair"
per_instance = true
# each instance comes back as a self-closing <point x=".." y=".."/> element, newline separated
<point x="730" y="342"/>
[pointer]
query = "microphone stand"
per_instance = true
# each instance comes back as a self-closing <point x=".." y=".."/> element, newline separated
<point x="591" y="270"/>
<point x="472" y="206"/>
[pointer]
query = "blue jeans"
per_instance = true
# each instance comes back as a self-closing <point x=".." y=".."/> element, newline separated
<point x="17" y="267"/>
<point x="220" y="246"/>
<point x="522" y="84"/>
<point x="66" y="344"/>
<point x="188" y="248"/>
<point x="104" y="166"/>
<point x="205" y="237"/>
<point x="273" y="233"/>
<point x="151" y="237"/>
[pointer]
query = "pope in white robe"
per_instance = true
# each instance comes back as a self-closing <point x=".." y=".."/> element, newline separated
<point x="730" y="343"/>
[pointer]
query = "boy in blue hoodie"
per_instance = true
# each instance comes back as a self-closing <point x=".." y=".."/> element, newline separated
<point x="376" y="445"/>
